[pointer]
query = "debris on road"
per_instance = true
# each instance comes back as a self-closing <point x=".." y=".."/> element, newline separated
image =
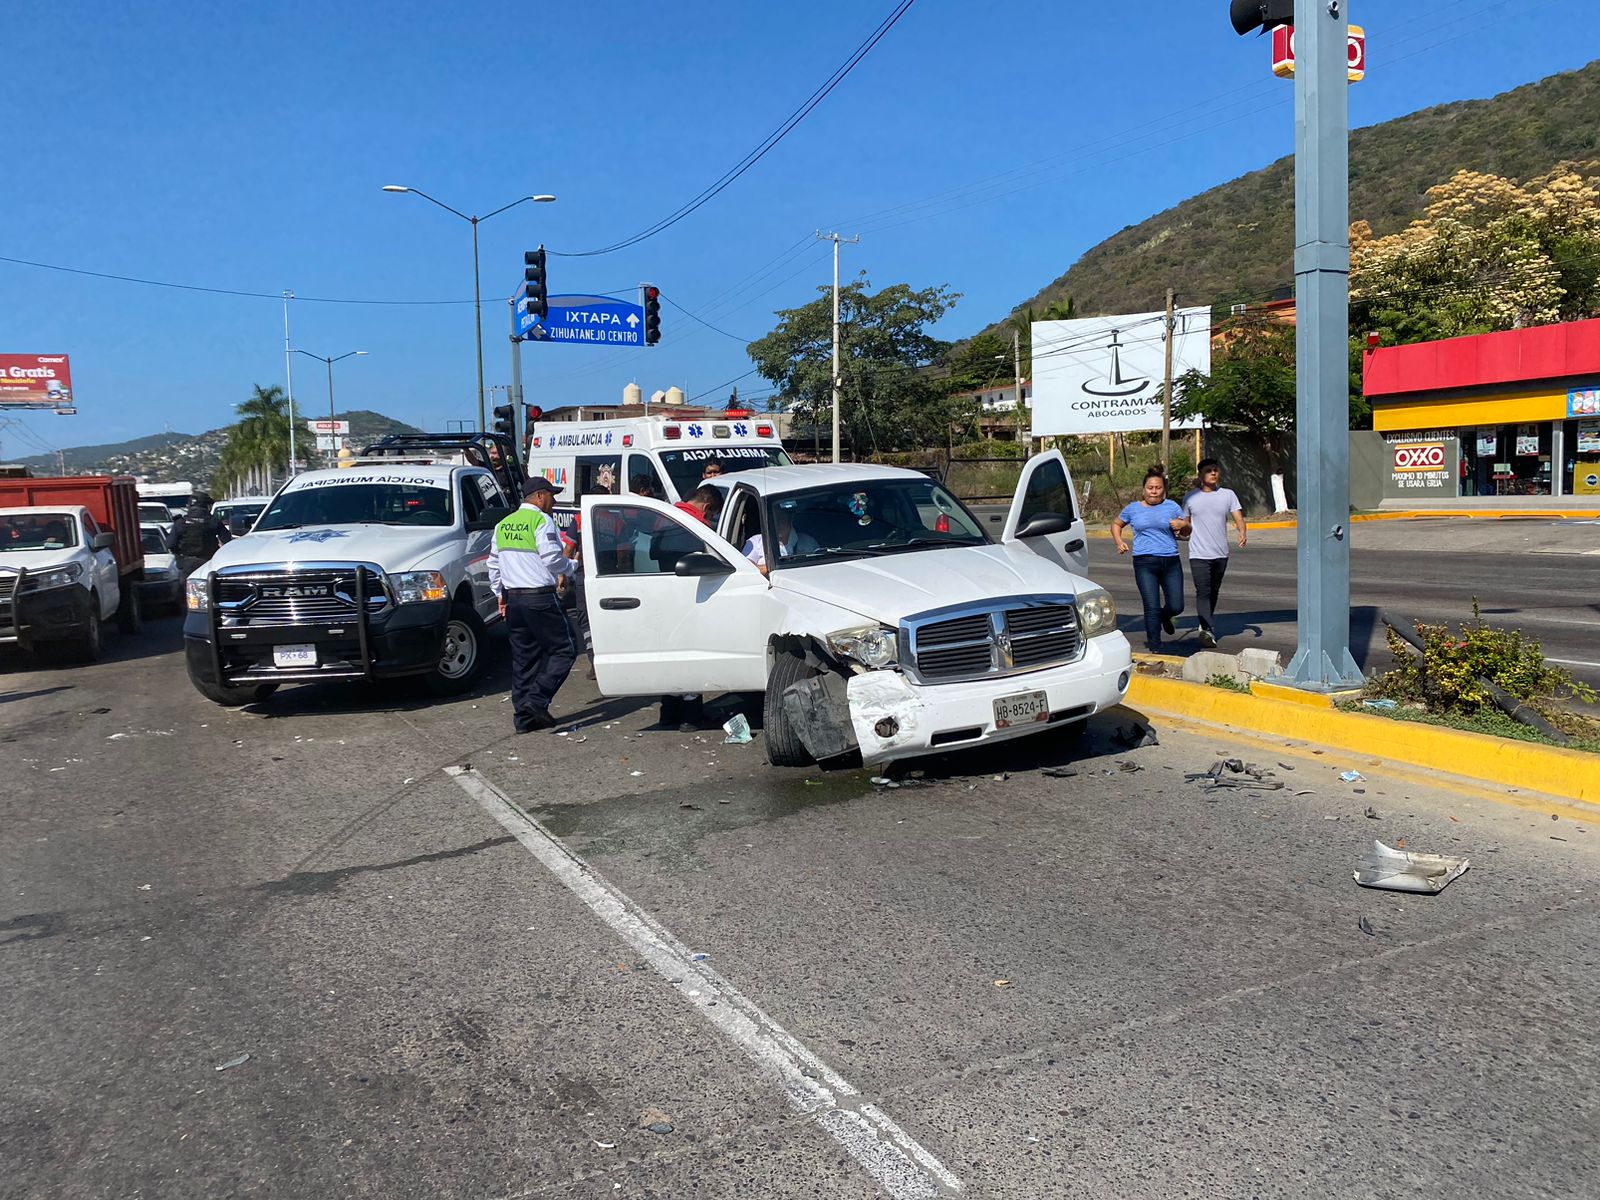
<point x="655" y="1121"/>
<point x="1372" y="813"/>
<point x="1380" y="705"/>
<point x="234" y="1062"/>
<point x="1399" y="870"/>
<point x="1352" y="776"/>
<point x="881" y="781"/>
<point x="1128" y="767"/>
<point x="699" y="956"/>
<point x="1060" y="772"/>
<point x="1366" y="927"/>
<point x="1134" y="737"/>
<point x="604" y="1145"/>
<point x="1002" y="983"/>
<point x="738" y="730"/>
<point x="1235" y="773"/>
<point x="635" y="773"/>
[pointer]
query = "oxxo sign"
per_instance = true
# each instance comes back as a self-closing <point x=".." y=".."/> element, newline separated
<point x="1283" y="53"/>
<point x="1423" y="466"/>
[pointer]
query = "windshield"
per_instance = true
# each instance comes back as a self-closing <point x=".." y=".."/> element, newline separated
<point x="360" y="502"/>
<point x="38" y="531"/>
<point x="153" y="540"/>
<point x="173" y="502"/>
<point x="867" y="518"/>
<point x="239" y="516"/>
<point x="686" y="468"/>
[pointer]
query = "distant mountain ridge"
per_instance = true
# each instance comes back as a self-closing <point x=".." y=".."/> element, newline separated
<point x="190" y="457"/>
<point x="1235" y="242"/>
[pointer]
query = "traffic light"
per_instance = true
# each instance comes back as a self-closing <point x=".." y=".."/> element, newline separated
<point x="538" y="291"/>
<point x="1250" y="15"/>
<point x="652" y="315"/>
<point x="532" y="412"/>
<point x="505" y="420"/>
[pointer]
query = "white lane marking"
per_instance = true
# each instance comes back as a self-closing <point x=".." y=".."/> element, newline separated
<point x="1573" y="662"/>
<point x="902" y="1167"/>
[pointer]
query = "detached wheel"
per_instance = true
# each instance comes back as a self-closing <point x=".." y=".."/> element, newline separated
<point x="784" y="747"/>
<point x="130" y="612"/>
<point x="461" y="658"/>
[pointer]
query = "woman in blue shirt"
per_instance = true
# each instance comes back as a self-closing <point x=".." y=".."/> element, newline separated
<point x="1157" y="523"/>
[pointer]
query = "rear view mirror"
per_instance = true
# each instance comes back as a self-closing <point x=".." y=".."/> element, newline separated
<point x="1042" y="524"/>
<point x="702" y="562"/>
<point x="103" y="541"/>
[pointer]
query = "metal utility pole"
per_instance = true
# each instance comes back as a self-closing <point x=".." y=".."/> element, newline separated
<point x="1322" y="661"/>
<point x="1016" y="366"/>
<point x="836" y="239"/>
<point x="1166" y="391"/>
<point x="288" y="368"/>
<point x="518" y="414"/>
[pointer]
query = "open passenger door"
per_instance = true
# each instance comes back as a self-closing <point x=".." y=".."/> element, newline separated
<point x="1044" y="515"/>
<point x="673" y="608"/>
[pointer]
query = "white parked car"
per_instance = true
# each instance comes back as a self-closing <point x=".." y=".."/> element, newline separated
<point x="239" y="513"/>
<point x="153" y="512"/>
<point x="365" y="572"/>
<point x="162" y="585"/>
<point x="59" y="581"/>
<point x="888" y="622"/>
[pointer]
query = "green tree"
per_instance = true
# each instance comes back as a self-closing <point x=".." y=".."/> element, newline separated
<point x="1251" y="386"/>
<point x="889" y="401"/>
<point x="260" y="439"/>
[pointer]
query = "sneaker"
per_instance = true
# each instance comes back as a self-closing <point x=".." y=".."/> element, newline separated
<point x="1153" y="648"/>
<point x="1207" y="638"/>
<point x="1167" y="627"/>
<point x="537" y="719"/>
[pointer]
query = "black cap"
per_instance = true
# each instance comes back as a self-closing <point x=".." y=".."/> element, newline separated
<point x="540" y="484"/>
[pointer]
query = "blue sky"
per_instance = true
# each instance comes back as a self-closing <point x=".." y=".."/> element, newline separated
<point x="244" y="147"/>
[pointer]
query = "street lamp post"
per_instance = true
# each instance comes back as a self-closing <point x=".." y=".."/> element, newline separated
<point x="330" y="361"/>
<point x="477" y="296"/>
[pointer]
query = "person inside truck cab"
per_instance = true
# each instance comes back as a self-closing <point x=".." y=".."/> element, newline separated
<point x="55" y="534"/>
<point x="789" y="541"/>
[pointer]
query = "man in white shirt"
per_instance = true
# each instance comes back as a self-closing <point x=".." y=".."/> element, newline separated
<point x="789" y="542"/>
<point x="1208" y="508"/>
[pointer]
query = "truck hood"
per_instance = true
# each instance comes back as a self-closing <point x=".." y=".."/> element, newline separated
<point x="40" y="560"/>
<point x="897" y="585"/>
<point x="392" y="547"/>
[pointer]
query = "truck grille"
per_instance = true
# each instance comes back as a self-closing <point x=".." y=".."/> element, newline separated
<point x="1019" y="633"/>
<point x="8" y="584"/>
<point x="265" y="599"/>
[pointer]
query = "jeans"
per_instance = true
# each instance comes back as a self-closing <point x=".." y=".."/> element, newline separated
<point x="543" y="646"/>
<point x="1160" y="580"/>
<point x="1207" y="574"/>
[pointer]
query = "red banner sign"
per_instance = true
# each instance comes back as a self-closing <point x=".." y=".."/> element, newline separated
<point x="35" y="381"/>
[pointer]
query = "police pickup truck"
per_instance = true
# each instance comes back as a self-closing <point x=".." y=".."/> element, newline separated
<point x="375" y="570"/>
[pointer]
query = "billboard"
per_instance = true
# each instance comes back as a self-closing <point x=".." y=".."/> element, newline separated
<point x="1423" y="466"/>
<point x="1103" y="374"/>
<point x="35" y="381"/>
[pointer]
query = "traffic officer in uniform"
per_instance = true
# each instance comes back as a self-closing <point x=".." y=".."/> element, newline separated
<point x="528" y="570"/>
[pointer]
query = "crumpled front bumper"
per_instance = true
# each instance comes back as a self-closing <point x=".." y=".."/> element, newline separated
<point x="887" y="716"/>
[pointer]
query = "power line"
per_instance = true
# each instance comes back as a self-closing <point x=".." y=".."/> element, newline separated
<point x="703" y="321"/>
<point x="761" y="150"/>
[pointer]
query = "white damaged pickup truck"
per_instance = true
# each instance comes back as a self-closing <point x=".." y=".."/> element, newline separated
<point x="883" y="622"/>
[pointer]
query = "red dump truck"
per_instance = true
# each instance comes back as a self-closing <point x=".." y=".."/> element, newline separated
<point x="70" y="560"/>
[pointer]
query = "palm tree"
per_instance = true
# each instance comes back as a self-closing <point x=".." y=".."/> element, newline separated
<point x="260" y="441"/>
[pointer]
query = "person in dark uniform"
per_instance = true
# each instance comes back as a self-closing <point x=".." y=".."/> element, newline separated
<point x="197" y="534"/>
<point x="529" y="571"/>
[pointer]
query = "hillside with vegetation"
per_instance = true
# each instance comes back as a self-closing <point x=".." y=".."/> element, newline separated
<point x="1236" y="241"/>
<point x="195" y="457"/>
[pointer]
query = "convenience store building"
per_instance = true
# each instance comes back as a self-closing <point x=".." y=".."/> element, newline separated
<point x="1498" y="414"/>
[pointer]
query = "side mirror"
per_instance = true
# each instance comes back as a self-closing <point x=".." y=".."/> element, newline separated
<point x="1044" y="523"/>
<point x="702" y="562"/>
<point x="103" y="541"/>
<point x="488" y="519"/>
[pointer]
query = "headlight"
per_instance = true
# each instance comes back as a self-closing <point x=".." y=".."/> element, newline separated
<point x="1097" y="612"/>
<point x="870" y="645"/>
<point x="414" y="587"/>
<point x="53" y="578"/>
<point x="196" y="597"/>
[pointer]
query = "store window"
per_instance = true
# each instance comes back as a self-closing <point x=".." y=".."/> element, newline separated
<point x="1508" y="460"/>
<point x="1581" y="452"/>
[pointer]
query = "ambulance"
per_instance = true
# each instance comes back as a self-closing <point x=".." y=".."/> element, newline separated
<point x="660" y="456"/>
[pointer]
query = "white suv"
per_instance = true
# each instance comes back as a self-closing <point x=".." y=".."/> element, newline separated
<point x="58" y="579"/>
<point x="363" y="572"/>
<point x="887" y="623"/>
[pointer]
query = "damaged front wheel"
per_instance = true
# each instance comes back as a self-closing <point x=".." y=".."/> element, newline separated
<point x="784" y="747"/>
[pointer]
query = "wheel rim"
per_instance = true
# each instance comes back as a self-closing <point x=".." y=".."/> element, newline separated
<point x="460" y="650"/>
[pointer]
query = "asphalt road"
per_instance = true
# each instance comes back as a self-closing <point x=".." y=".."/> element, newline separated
<point x="441" y="998"/>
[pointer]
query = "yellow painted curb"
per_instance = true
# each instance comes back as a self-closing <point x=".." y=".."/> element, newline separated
<point x="1502" y="761"/>
<point x="1294" y="695"/>
<point x="1482" y="514"/>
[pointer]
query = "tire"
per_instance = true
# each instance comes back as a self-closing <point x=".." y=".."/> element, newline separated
<point x="93" y="643"/>
<point x="462" y="655"/>
<point x="784" y="747"/>
<point x="130" y="612"/>
<point x="232" y="697"/>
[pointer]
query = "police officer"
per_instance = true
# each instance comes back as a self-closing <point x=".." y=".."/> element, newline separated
<point x="197" y="534"/>
<point x="528" y="570"/>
